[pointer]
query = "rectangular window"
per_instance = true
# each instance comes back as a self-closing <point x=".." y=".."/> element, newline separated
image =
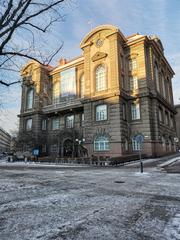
<point x="166" y="118"/>
<point x="68" y="82"/>
<point x="171" y="121"/>
<point x="132" y="64"/>
<point x="160" y="115"/>
<point x="29" y="124"/>
<point x="101" y="112"/>
<point x="70" y="121"/>
<point x="82" y="119"/>
<point x="54" y="148"/>
<point x="43" y="124"/>
<point x="135" y="111"/>
<point x="133" y="82"/>
<point x="55" y="123"/>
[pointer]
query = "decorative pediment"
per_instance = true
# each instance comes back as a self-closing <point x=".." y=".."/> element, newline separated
<point x="98" y="56"/>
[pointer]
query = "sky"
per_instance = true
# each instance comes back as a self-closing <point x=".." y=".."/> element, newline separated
<point x="160" y="17"/>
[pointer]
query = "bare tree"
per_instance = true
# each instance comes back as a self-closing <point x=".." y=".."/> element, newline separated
<point x="22" y="24"/>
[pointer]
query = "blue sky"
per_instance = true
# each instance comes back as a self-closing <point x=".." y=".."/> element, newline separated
<point x="160" y="17"/>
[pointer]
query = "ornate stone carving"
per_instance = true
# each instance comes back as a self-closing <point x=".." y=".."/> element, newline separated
<point x="99" y="55"/>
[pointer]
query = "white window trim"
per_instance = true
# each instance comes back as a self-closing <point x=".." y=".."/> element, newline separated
<point x="55" y="123"/>
<point x="102" y="114"/>
<point x="70" y="123"/>
<point x="101" y="144"/>
<point x="135" y="111"/>
<point x="136" y="146"/>
<point x="29" y="124"/>
<point x="100" y="76"/>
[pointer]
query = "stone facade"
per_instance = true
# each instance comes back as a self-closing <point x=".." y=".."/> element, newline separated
<point x="127" y="90"/>
<point x="178" y="123"/>
<point x="5" y="140"/>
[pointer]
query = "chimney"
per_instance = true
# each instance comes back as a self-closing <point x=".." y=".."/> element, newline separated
<point x="62" y="61"/>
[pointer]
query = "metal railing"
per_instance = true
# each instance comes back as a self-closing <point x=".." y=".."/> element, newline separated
<point x="63" y="104"/>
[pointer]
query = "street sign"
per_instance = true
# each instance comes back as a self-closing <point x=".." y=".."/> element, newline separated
<point x="36" y="152"/>
<point x="140" y="139"/>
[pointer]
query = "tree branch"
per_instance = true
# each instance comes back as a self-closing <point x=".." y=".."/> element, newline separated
<point x="8" y="84"/>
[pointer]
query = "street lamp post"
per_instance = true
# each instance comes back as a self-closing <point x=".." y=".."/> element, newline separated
<point x="79" y="141"/>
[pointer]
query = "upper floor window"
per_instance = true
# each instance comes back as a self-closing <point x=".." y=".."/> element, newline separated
<point x="160" y="114"/>
<point x="101" y="112"/>
<point x="82" y="86"/>
<point x="133" y="82"/>
<point x="166" y="118"/>
<point x="82" y="119"/>
<point x="132" y="64"/>
<point x="171" y="121"/>
<point x="135" y="111"/>
<point x="55" y="92"/>
<point x="44" y="124"/>
<point x="101" y="143"/>
<point x="68" y="82"/>
<point x="29" y="124"/>
<point x="55" y="123"/>
<point x="70" y="121"/>
<point x="30" y="98"/>
<point x="101" y="83"/>
<point x="156" y="73"/>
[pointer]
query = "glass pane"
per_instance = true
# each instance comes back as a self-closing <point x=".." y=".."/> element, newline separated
<point x="68" y="82"/>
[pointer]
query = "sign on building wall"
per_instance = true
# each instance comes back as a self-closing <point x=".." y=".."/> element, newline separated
<point x="68" y="82"/>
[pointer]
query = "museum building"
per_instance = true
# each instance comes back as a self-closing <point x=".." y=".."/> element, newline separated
<point x="98" y="102"/>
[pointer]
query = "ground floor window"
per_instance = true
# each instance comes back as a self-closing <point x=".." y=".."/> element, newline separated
<point x="70" y="121"/>
<point x="136" y="145"/>
<point x="101" y="143"/>
<point x="54" y="148"/>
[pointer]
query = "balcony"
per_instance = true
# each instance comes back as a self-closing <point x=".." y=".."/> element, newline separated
<point x="63" y="105"/>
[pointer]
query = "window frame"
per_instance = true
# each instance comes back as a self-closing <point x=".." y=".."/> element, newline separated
<point x="101" y="145"/>
<point x="44" y="124"/>
<point x="98" y="116"/>
<point x="99" y="78"/>
<point x="69" y="121"/>
<point x="28" y="105"/>
<point x="53" y="127"/>
<point x="132" y="64"/>
<point x="136" y="146"/>
<point x="135" y="112"/>
<point x="26" y="127"/>
<point x="133" y="82"/>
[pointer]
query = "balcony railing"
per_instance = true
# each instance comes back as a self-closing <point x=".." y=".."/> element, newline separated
<point x="63" y="104"/>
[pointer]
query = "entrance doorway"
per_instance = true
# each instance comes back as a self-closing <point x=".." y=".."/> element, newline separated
<point x="68" y="148"/>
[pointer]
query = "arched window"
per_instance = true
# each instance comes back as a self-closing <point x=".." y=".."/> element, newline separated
<point x="82" y="86"/>
<point x="101" y="83"/>
<point x="30" y="98"/>
<point x="101" y="143"/>
<point x="156" y="73"/>
<point x="135" y="145"/>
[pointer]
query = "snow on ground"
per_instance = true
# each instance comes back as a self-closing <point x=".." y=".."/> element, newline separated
<point x="89" y="203"/>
